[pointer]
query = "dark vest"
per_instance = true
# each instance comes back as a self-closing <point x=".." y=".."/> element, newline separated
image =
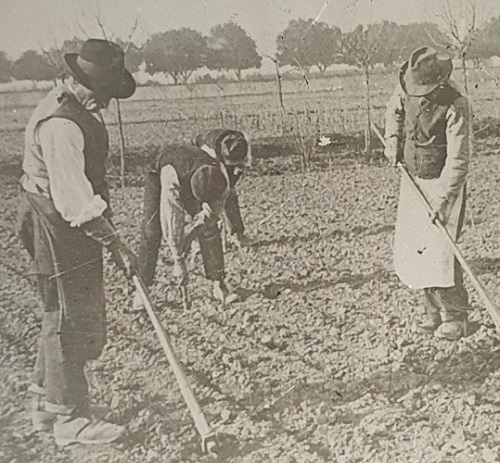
<point x="96" y="142"/>
<point x="425" y="127"/>
<point x="63" y="247"/>
<point x="185" y="160"/>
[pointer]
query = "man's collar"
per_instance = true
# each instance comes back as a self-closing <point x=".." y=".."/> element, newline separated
<point x="62" y="89"/>
<point x="210" y="151"/>
<point x="91" y="108"/>
<point x="66" y="86"/>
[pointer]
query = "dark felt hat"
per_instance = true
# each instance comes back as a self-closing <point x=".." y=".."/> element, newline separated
<point x="208" y="183"/>
<point x="424" y="71"/>
<point x="100" y="66"/>
<point x="231" y="146"/>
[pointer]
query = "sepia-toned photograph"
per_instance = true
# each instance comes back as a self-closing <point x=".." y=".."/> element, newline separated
<point x="250" y="231"/>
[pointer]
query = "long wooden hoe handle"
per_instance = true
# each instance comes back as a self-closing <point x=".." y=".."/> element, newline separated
<point x="206" y="433"/>
<point x="493" y="311"/>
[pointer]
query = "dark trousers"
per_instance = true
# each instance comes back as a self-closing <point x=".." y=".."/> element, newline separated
<point x="69" y="269"/>
<point x="208" y="236"/>
<point x="448" y="303"/>
<point x="233" y="213"/>
<point x="58" y="371"/>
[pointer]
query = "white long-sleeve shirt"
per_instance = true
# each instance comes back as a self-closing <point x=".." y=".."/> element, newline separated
<point x="60" y="143"/>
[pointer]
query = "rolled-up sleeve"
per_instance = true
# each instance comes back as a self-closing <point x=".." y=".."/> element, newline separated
<point x="459" y="140"/>
<point x="172" y="213"/>
<point x="62" y="144"/>
<point x="394" y="127"/>
<point x="395" y="116"/>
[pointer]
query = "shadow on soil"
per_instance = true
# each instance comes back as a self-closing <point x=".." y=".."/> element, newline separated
<point x="484" y="265"/>
<point x="459" y="372"/>
<point x="10" y="173"/>
<point x="354" y="280"/>
<point x="274" y="290"/>
<point x="340" y="233"/>
<point x="329" y="394"/>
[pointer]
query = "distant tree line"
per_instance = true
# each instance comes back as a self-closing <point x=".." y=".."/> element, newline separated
<point x="304" y="44"/>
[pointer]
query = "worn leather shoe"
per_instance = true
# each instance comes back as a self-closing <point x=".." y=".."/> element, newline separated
<point x="42" y="420"/>
<point x="79" y="430"/>
<point x="223" y="294"/>
<point x="450" y="331"/>
<point x="429" y="322"/>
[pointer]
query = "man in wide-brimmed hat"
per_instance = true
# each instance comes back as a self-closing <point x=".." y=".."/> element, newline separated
<point x="233" y="149"/>
<point x="184" y="181"/>
<point x="428" y="128"/>
<point x="64" y="225"/>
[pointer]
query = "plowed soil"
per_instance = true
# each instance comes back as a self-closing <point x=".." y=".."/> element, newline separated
<point x="320" y="362"/>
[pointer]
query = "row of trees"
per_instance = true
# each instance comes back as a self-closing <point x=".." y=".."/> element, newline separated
<point x="180" y="52"/>
<point x="176" y="52"/>
<point x="304" y="44"/>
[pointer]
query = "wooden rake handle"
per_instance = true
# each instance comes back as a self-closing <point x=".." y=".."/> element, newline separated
<point x="493" y="311"/>
<point x="207" y="435"/>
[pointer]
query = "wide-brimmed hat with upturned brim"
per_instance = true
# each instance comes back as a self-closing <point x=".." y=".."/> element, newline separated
<point x="100" y="66"/>
<point x="424" y="71"/>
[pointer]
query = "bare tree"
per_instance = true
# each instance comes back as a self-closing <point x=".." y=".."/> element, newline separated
<point x="281" y="103"/>
<point x="89" y="19"/>
<point x="360" y="48"/>
<point x="119" y="112"/>
<point x="460" y="21"/>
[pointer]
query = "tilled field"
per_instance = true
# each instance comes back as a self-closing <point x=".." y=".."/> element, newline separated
<point x="321" y="362"/>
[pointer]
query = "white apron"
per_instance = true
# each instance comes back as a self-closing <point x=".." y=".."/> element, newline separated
<point x="423" y="257"/>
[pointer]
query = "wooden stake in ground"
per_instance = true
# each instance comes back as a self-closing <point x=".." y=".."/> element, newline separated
<point x="122" y="144"/>
<point x="280" y="96"/>
<point x="209" y="443"/>
<point x="493" y="311"/>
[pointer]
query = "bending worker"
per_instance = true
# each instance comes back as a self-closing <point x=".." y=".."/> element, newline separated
<point x="185" y="181"/>
<point x="233" y="149"/>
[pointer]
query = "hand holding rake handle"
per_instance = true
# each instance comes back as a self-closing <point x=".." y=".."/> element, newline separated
<point x="493" y="311"/>
<point x="209" y="443"/>
<point x="192" y="233"/>
<point x="186" y="301"/>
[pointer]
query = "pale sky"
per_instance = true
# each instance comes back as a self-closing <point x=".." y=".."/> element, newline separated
<point x="32" y="24"/>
